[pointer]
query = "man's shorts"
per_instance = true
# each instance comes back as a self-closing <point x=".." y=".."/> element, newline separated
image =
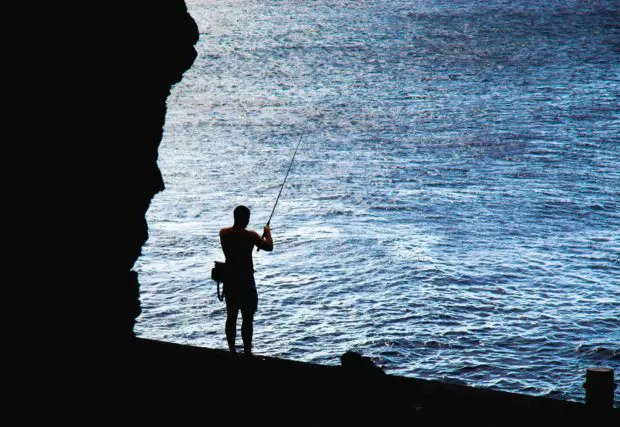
<point x="241" y="296"/>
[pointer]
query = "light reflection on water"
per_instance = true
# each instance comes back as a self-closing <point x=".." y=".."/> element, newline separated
<point x="452" y="211"/>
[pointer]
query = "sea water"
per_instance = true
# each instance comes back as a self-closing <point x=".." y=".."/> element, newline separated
<point x="452" y="212"/>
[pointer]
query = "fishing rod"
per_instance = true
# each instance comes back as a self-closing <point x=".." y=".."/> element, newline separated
<point x="282" y="186"/>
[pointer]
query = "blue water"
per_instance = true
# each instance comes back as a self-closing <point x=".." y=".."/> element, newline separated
<point x="453" y="210"/>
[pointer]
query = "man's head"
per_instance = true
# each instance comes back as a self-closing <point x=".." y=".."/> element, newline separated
<point x="242" y="216"/>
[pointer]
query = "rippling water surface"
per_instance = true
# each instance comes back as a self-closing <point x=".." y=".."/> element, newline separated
<point x="453" y="210"/>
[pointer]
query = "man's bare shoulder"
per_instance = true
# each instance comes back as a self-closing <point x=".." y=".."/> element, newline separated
<point x="249" y="233"/>
<point x="225" y="230"/>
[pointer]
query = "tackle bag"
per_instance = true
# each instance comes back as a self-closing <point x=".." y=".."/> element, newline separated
<point x="219" y="274"/>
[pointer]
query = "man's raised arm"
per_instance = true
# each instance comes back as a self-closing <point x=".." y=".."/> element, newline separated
<point x="266" y="242"/>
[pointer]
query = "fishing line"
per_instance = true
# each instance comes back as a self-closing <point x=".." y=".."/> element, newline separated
<point x="283" y="182"/>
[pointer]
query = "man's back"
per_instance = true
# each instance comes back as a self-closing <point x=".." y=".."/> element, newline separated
<point x="237" y="244"/>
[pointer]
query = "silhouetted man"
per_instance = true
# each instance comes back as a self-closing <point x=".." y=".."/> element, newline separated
<point x="240" y="288"/>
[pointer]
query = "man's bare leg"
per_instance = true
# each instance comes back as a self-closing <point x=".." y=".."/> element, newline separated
<point x="247" y="330"/>
<point x="231" y="328"/>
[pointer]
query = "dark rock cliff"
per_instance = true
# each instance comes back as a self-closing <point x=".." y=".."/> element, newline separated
<point x="88" y="105"/>
<point x="114" y="128"/>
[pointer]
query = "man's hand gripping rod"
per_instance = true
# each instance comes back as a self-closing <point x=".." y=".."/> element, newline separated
<point x="282" y="186"/>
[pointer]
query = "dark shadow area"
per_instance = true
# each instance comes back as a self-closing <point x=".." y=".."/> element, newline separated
<point x="218" y="386"/>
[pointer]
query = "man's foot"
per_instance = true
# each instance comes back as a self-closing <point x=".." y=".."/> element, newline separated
<point x="251" y="357"/>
